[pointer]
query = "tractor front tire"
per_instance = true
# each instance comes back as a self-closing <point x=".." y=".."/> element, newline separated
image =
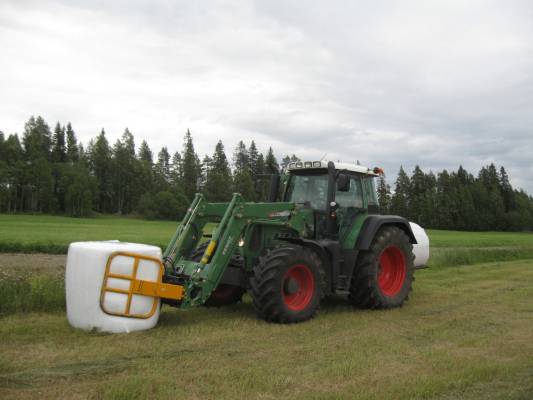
<point x="287" y="285"/>
<point x="224" y="294"/>
<point x="384" y="273"/>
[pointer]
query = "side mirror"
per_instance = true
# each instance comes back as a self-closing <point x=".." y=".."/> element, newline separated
<point x="343" y="183"/>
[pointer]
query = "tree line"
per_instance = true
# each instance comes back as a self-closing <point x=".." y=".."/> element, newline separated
<point x="458" y="200"/>
<point x="50" y="171"/>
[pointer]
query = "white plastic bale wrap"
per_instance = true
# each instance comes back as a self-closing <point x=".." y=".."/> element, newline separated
<point x="421" y="249"/>
<point x="86" y="264"/>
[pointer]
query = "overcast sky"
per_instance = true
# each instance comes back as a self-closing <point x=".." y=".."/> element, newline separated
<point x="389" y="83"/>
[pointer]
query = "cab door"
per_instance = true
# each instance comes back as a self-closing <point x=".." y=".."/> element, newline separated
<point x="350" y="205"/>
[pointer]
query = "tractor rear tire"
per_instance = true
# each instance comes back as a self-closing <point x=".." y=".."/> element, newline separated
<point x="224" y="294"/>
<point x="384" y="273"/>
<point x="287" y="285"/>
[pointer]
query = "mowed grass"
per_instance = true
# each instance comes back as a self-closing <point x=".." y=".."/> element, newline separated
<point x="466" y="333"/>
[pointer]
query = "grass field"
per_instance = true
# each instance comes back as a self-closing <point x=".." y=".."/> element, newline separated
<point x="50" y="234"/>
<point x="38" y="233"/>
<point x="466" y="331"/>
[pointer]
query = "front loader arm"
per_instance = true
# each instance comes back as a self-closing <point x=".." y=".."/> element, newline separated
<point x="204" y="276"/>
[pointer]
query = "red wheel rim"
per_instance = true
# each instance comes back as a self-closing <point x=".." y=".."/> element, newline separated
<point x="392" y="271"/>
<point x="302" y="281"/>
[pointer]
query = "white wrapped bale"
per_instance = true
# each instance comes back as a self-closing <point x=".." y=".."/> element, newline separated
<point x="421" y="249"/>
<point x="86" y="265"/>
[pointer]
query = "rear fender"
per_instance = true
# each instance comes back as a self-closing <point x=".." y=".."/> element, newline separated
<point x="373" y="224"/>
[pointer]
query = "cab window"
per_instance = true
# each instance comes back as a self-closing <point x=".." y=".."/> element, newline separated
<point x="310" y="190"/>
<point x="352" y="198"/>
<point x="372" y="195"/>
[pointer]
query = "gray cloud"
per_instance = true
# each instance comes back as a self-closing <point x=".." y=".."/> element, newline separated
<point x="434" y="83"/>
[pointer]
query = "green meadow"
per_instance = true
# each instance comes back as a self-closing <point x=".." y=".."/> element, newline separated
<point x="52" y="235"/>
<point x="465" y="332"/>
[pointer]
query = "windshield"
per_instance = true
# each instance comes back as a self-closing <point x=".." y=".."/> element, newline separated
<point x="310" y="190"/>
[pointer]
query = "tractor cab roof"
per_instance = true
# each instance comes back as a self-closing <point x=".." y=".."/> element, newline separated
<point x="339" y="166"/>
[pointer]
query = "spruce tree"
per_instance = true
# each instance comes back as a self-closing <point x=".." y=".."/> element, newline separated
<point x="162" y="171"/>
<point x="190" y="167"/>
<point x="260" y="165"/>
<point x="145" y="154"/>
<point x="271" y="164"/>
<point x="207" y="164"/>
<point x="253" y="158"/>
<point x="492" y="199"/>
<point x="73" y="153"/>
<point x="384" y="195"/>
<point x="506" y="190"/>
<point x="446" y="201"/>
<point x="430" y="207"/>
<point x="240" y="157"/>
<point x="466" y="213"/>
<point x="464" y="177"/>
<point x="163" y="163"/>
<point x="59" y="153"/>
<point x="145" y="173"/>
<point x="83" y="156"/>
<point x="199" y="167"/>
<point x="262" y="175"/>
<point x="124" y="173"/>
<point x="177" y="170"/>
<point x="400" y="198"/>
<point x="242" y="178"/>
<point x="417" y="196"/>
<point x="100" y="162"/>
<point x="58" y="157"/>
<point x="218" y="183"/>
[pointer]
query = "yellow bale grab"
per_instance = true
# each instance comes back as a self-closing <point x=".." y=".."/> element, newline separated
<point x="155" y="289"/>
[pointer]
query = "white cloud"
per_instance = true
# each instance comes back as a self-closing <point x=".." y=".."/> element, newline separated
<point x="435" y="83"/>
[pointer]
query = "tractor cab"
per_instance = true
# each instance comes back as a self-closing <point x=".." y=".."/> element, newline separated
<point x="336" y="192"/>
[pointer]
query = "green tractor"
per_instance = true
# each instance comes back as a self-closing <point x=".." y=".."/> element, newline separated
<point x="319" y="234"/>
